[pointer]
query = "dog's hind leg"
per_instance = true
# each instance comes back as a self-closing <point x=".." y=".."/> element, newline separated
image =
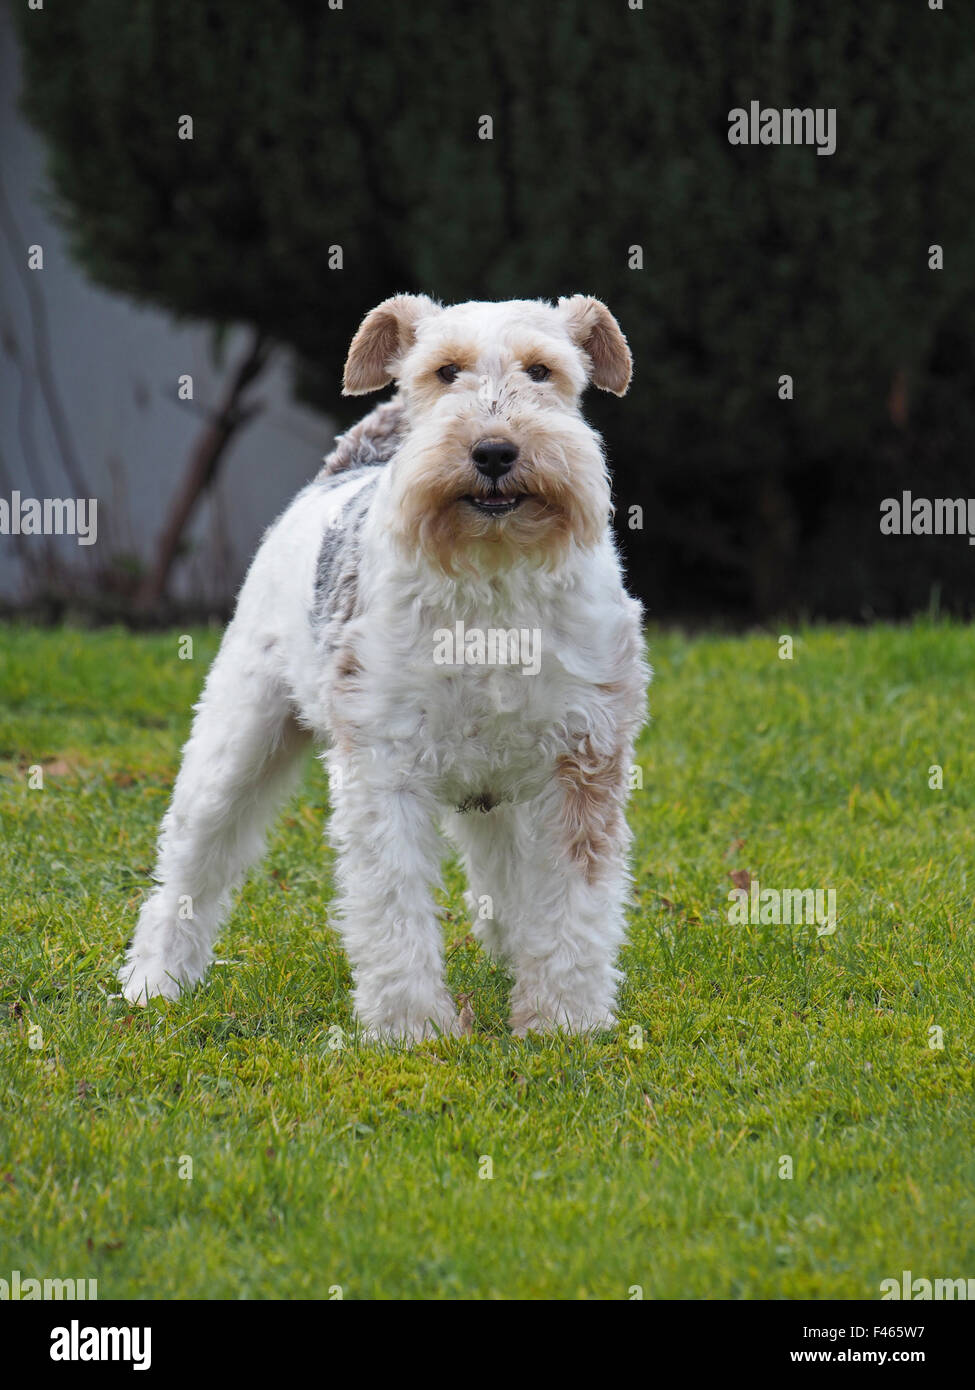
<point x="241" y="760"/>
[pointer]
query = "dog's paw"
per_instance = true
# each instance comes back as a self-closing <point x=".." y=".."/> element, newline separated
<point x="146" y="977"/>
<point x="585" y="1024"/>
<point x="409" y="1028"/>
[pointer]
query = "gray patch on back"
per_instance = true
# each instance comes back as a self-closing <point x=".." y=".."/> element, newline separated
<point x="371" y="442"/>
<point x="337" y="568"/>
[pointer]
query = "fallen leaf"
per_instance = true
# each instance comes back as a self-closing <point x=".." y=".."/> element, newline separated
<point x="465" y="1018"/>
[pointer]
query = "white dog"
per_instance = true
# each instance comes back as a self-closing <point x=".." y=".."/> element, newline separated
<point x="442" y="610"/>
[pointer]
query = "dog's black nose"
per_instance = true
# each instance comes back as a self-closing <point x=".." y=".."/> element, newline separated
<point x="494" y="457"/>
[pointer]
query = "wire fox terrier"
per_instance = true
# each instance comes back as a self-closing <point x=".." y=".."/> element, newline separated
<point x="443" y="611"/>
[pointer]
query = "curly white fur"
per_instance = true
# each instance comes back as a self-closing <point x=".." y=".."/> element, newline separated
<point x="332" y="643"/>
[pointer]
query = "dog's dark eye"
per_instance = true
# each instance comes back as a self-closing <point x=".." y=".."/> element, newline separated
<point x="449" y="373"/>
<point x="538" y="372"/>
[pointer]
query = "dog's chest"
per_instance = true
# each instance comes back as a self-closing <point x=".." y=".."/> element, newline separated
<point x="479" y="694"/>
<point x="498" y="715"/>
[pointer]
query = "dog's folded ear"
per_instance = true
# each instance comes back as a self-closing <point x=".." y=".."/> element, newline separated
<point x="385" y="334"/>
<point x="593" y="329"/>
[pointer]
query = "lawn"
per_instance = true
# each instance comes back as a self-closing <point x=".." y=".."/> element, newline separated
<point x="236" y="1143"/>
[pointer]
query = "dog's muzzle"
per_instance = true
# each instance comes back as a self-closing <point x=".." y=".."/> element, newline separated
<point x="493" y="459"/>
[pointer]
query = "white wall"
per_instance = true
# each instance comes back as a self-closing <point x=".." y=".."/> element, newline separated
<point x="116" y="367"/>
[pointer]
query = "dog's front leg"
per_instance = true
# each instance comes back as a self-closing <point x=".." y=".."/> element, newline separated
<point x="389" y="850"/>
<point x="569" y="903"/>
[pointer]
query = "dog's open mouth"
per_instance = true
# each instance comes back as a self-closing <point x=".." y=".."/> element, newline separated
<point x="496" y="506"/>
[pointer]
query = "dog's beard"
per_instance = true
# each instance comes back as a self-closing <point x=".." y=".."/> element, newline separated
<point x="559" y="488"/>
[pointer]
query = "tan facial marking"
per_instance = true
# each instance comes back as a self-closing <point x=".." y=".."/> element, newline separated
<point x="559" y="476"/>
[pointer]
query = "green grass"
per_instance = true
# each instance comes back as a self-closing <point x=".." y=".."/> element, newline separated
<point x="612" y="1166"/>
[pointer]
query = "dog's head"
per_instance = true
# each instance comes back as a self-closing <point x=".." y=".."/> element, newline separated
<point x="498" y="463"/>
